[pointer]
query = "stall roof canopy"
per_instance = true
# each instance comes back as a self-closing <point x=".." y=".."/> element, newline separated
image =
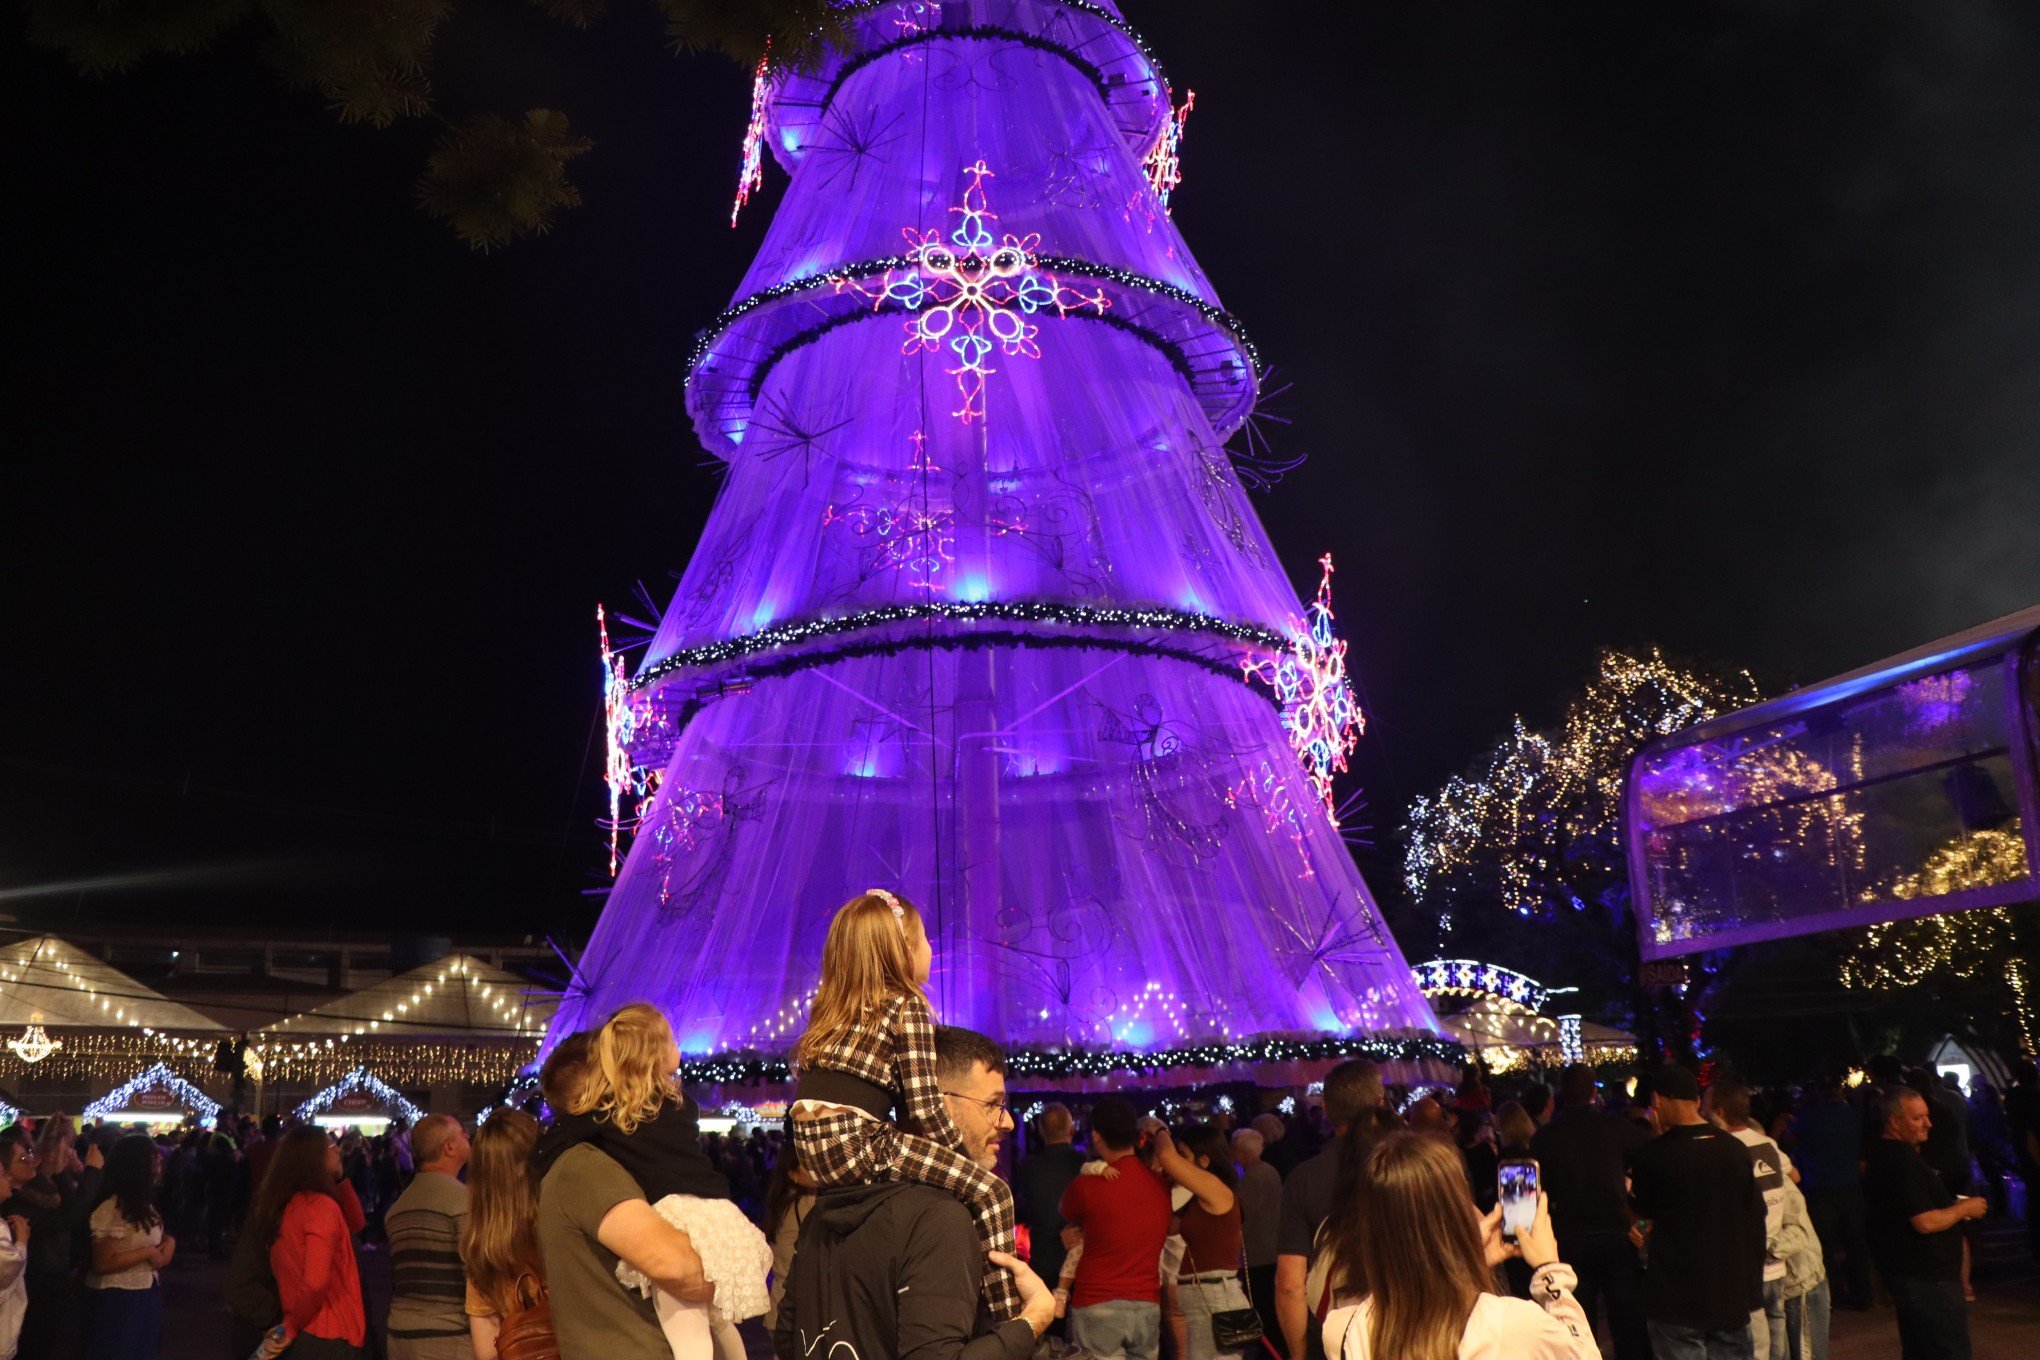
<point x="457" y="997"/>
<point x="71" y="989"/>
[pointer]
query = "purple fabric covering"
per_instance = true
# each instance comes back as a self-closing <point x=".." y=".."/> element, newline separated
<point x="1101" y="818"/>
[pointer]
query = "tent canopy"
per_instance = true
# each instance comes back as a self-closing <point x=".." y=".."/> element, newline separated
<point x="458" y="997"/>
<point x="69" y="988"/>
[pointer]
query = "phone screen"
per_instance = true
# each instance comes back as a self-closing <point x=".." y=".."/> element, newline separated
<point x="1518" y="1183"/>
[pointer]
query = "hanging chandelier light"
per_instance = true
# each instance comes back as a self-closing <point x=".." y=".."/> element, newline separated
<point x="34" y="1044"/>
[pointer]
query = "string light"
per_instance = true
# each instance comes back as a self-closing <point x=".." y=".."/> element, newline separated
<point x="1319" y="712"/>
<point x="1533" y="793"/>
<point x="972" y="294"/>
<point x="1959" y="944"/>
<point x="360" y="1081"/>
<point x="156" y="1078"/>
<point x="34" y="1043"/>
<point x="751" y="173"/>
<point x="1164" y="163"/>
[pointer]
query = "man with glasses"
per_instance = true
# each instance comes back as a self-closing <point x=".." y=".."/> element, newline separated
<point x="894" y="1269"/>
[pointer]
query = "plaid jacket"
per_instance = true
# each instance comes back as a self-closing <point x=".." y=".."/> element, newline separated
<point x="896" y="1050"/>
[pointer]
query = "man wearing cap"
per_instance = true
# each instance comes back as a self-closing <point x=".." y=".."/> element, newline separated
<point x="1702" y="1220"/>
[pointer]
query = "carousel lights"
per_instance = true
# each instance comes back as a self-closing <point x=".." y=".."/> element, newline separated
<point x="1470" y="977"/>
<point x="751" y="173"/>
<point x="156" y="1078"/>
<point x="972" y="294"/>
<point x="1319" y="712"/>
<point x="1164" y="163"/>
<point x="34" y="1043"/>
<point x="360" y="1081"/>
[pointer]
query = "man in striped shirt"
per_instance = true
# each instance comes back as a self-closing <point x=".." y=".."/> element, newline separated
<point x="427" y="1285"/>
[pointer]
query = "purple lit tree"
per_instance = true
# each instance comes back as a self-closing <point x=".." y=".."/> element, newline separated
<point x="982" y="612"/>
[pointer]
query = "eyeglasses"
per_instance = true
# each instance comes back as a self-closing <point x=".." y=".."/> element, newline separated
<point x="997" y="1104"/>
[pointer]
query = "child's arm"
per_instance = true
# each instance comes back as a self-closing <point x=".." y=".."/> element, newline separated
<point x="1105" y="1169"/>
<point x="914" y="1055"/>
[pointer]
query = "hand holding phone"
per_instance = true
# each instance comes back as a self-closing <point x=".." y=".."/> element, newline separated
<point x="1518" y="1182"/>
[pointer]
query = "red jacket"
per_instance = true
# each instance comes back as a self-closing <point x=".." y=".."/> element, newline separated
<point x="313" y="1257"/>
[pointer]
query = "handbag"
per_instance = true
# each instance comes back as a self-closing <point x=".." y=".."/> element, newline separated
<point x="1233" y="1329"/>
<point x="527" y="1329"/>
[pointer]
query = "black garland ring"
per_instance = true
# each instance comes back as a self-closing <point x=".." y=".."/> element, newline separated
<point x="757" y="1068"/>
<point x="704" y="341"/>
<point x="1095" y="11"/>
<point x="1019" y="611"/>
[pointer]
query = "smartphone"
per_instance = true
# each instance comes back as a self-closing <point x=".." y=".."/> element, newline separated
<point x="1517" y="1183"/>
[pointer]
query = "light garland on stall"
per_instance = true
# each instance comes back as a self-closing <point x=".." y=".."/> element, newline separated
<point x="1319" y="712"/>
<point x="360" y="1081"/>
<point x="1164" y="163"/>
<point x="751" y="172"/>
<point x="156" y="1078"/>
<point x="9" y="1114"/>
<point x="972" y="295"/>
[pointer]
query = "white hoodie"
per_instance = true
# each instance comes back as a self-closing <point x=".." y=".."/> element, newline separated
<point x="13" y="1290"/>
<point x="1553" y="1327"/>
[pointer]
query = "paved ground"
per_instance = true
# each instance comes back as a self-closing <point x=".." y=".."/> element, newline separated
<point x="2005" y="1322"/>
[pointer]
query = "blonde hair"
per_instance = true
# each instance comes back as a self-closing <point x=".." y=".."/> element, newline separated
<point x="499" y="1236"/>
<point x="867" y="960"/>
<point x="1420" y="1259"/>
<point x="627" y="1080"/>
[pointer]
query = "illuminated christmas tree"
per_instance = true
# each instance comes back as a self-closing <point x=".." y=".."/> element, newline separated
<point x="982" y="613"/>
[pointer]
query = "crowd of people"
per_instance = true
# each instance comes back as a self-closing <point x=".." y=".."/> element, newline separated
<point x="1671" y="1218"/>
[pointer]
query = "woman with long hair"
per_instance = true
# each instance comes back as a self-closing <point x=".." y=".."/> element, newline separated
<point x="1422" y="1259"/>
<point x="128" y="1247"/>
<point x="499" y="1239"/>
<point x="1214" y="1255"/>
<point x="304" y="1214"/>
<point x="56" y="1185"/>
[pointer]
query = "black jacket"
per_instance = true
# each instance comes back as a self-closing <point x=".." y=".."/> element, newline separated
<point x="663" y="1154"/>
<point x="891" y="1272"/>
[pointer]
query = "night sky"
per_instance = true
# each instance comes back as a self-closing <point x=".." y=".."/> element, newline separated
<point x="1712" y="326"/>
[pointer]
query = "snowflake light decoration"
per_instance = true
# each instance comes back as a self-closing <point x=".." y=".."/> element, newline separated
<point x="972" y="293"/>
<point x="1164" y="164"/>
<point x="914" y="536"/>
<point x="1319" y="712"/>
<point x="751" y="174"/>
<point x="620" y="723"/>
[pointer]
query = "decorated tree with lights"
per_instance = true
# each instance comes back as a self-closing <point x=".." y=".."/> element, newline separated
<point x="982" y="612"/>
<point x="1524" y="852"/>
<point x="1979" y="963"/>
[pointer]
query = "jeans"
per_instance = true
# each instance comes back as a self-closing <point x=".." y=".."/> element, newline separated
<point x="1841" y="1222"/>
<point x="1806" y="1324"/>
<point x="1767" y="1324"/>
<point x="1933" y="1320"/>
<point x="1118" y="1329"/>
<point x="430" y="1348"/>
<point x="1610" y="1275"/>
<point x="1200" y="1299"/>
<point x="1670" y="1341"/>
